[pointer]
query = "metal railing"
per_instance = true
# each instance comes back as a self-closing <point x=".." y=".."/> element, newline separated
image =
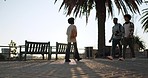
<point x="7" y="51"/>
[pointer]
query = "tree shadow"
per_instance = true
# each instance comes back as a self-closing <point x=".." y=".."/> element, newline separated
<point x="138" y="67"/>
<point x="73" y="69"/>
<point x="46" y="69"/>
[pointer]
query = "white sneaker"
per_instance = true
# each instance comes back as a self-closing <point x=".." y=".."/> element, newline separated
<point x="110" y="57"/>
<point x="121" y="59"/>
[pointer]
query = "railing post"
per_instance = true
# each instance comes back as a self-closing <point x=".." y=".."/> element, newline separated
<point x="147" y="52"/>
<point x="20" y="55"/>
<point x="9" y="53"/>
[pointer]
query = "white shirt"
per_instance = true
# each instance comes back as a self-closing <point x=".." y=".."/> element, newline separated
<point x="69" y="30"/>
<point x="127" y="29"/>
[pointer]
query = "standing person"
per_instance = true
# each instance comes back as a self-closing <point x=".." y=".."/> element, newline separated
<point x="71" y="38"/>
<point x="117" y="34"/>
<point x="128" y="35"/>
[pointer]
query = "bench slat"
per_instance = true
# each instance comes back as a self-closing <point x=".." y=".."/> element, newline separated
<point x="36" y="48"/>
<point x="61" y="49"/>
<point x="33" y="48"/>
<point x="39" y="49"/>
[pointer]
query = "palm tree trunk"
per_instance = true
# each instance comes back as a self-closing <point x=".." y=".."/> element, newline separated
<point x="101" y="12"/>
<point x="101" y="37"/>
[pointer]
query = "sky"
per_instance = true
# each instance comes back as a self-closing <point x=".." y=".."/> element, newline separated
<point x="40" y="20"/>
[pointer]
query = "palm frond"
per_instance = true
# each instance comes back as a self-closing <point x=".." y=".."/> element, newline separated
<point x="139" y="42"/>
<point x="146" y="9"/>
<point x="123" y="7"/>
<point x="118" y="6"/>
<point x="109" y="7"/>
<point x="139" y="2"/>
<point x="84" y="7"/>
<point x="146" y="1"/>
<point x="55" y="1"/>
<point x="144" y="19"/>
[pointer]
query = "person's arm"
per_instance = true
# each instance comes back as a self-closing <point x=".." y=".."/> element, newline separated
<point x="122" y="31"/>
<point x="131" y="28"/>
<point x="68" y="31"/>
<point x="75" y="30"/>
<point x="111" y="36"/>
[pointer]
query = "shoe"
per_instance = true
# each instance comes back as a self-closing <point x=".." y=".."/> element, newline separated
<point x="67" y="60"/>
<point x="110" y="57"/>
<point x="79" y="59"/>
<point x="121" y="59"/>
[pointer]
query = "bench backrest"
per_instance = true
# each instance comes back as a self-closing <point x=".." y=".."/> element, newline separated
<point x="37" y="47"/>
<point x="61" y="48"/>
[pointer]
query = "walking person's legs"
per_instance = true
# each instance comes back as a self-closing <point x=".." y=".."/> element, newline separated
<point x="76" y="54"/>
<point x="125" y="41"/>
<point x="111" y="55"/>
<point x="114" y="45"/>
<point x="120" y="49"/>
<point x="67" y="56"/>
<point x="113" y="49"/>
<point x="131" y="45"/>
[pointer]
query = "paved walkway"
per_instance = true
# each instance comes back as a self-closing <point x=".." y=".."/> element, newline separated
<point x="94" y="68"/>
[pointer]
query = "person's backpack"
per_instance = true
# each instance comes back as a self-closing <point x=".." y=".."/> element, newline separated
<point x="73" y="33"/>
<point x="119" y="32"/>
<point x="120" y="28"/>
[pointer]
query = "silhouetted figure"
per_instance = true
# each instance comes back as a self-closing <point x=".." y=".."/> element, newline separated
<point x="71" y="38"/>
<point x="117" y="34"/>
<point x="128" y="35"/>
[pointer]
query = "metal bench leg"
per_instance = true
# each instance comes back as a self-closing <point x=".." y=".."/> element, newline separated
<point x="56" y="56"/>
<point x="25" y="56"/>
<point x="20" y="57"/>
<point x="147" y="53"/>
<point x="49" y="56"/>
<point x="43" y="56"/>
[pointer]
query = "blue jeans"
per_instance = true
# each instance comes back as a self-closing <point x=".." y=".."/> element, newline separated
<point x="76" y="54"/>
<point x="114" y="45"/>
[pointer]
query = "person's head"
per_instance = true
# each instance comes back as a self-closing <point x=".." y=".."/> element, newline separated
<point x="127" y="17"/>
<point x="115" y="20"/>
<point x="71" y="20"/>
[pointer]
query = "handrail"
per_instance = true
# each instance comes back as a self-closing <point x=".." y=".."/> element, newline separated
<point x="4" y="46"/>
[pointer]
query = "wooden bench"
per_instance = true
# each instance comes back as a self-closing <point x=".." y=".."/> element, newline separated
<point x="36" y="48"/>
<point x="61" y="49"/>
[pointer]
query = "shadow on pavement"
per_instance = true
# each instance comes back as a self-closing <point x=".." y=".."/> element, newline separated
<point x="46" y="69"/>
<point x="138" y="67"/>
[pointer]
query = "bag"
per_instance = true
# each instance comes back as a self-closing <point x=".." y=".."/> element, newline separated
<point x="119" y="32"/>
<point x="73" y="33"/>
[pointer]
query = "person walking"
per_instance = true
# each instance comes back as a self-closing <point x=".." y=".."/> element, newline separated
<point x="71" y="38"/>
<point x="128" y="35"/>
<point x="117" y="34"/>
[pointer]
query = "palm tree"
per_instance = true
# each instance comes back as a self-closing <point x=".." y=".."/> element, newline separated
<point x="140" y="44"/>
<point x="84" y="7"/>
<point x="144" y="19"/>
